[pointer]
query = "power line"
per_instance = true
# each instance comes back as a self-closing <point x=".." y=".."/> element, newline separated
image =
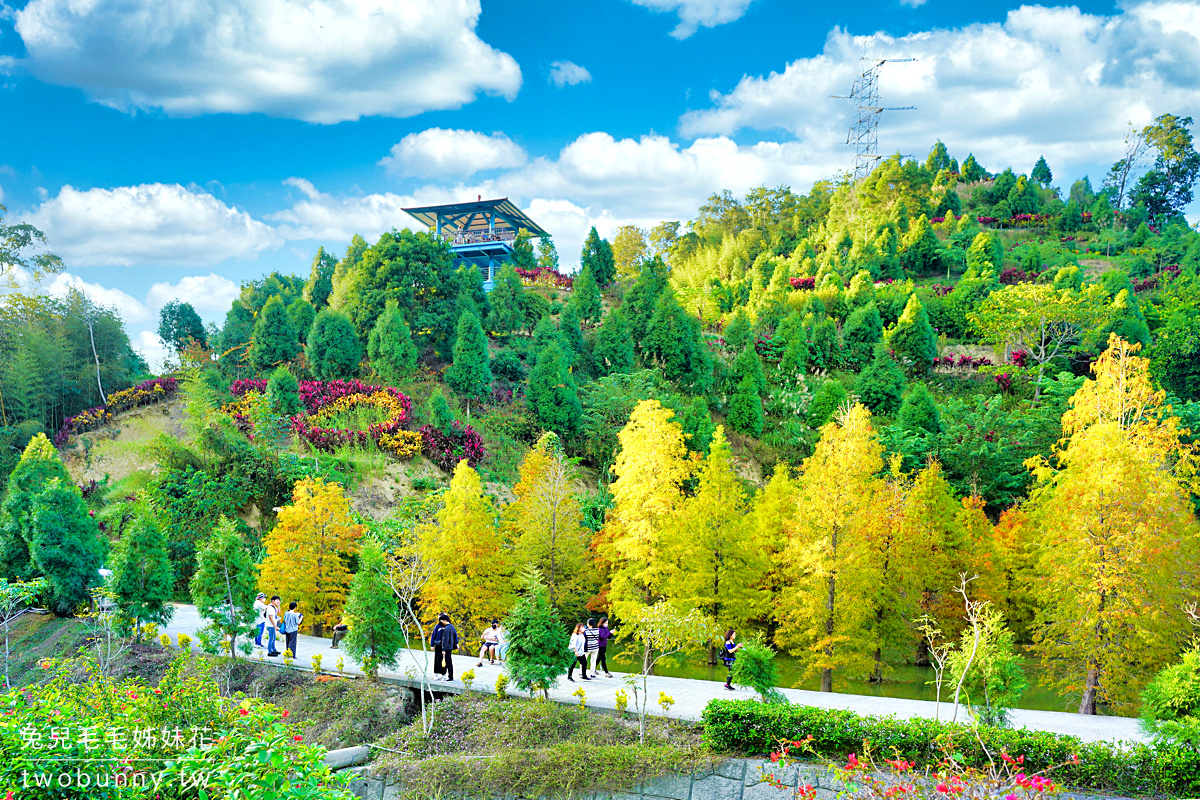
<point x="864" y="132"/>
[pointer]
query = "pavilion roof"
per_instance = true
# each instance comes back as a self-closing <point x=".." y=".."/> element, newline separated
<point x="473" y="217"/>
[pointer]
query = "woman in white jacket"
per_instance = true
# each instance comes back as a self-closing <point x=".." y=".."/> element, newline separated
<point x="579" y="648"/>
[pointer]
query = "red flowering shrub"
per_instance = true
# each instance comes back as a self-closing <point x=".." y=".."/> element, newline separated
<point x="803" y="283"/>
<point x="544" y="276"/>
<point x="447" y="449"/>
<point x="1011" y="275"/>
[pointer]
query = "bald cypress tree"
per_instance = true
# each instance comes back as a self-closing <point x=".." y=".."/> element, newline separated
<point x="470" y="376"/>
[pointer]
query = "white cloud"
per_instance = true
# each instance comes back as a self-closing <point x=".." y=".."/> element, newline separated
<point x="151" y="348"/>
<point x="694" y="14"/>
<point x="132" y="310"/>
<point x="151" y="223"/>
<point x="913" y="3"/>
<point x="438" y="152"/>
<point x="322" y="61"/>
<point x="1046" y="81"/>
<point x="568" y="73"/>
<point x="210" y="293"/>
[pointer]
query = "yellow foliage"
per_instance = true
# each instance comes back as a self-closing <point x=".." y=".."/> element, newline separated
<point x="402" y="444"/>
<point x="650" y="471"/>
<point x="471" y="568"/>
<point x="307" y="551"/>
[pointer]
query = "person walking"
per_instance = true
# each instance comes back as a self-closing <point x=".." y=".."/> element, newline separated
<point x="578" y="646"/>
<point x="489" y="642"/>
<point x="729" y="656"/>
<point x="272" y="625"/>
<point x="605" y="636"/>
<point x="591" y="645"/>
<point x="449" y="645"/>
<point x="260" y="613"/>
<point x="292" y="620"/>
<point x="435" y="639"/>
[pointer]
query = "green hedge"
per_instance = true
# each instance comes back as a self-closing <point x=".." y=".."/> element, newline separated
<point x="749" y="727"/>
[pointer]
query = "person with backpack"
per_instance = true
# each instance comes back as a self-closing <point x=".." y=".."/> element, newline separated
<point x="578" y="646"/>
<point x="449" y="645"/>
<point x="292" y="619"/>
<point x="435" y="639"/>
<point x="729" y="656"/>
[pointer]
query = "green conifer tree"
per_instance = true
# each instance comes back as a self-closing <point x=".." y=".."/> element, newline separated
<point x="738" y="331"/>
<point x="922" y="250"/>
<point x="919" y="413"/>
<point x="65" y="547"/>
<point x="333" y="350"/>
<point x="1041" y="172"/>
<point x="507" y="301"/>
<point x="142" y="577"/>
<point x="572" y="334"/>
<point x="748" y="365"/>
<point x="597" y="256"/>
<point x="881" y="384"/>
<point x="301" y="314"/>
<point x="225" y="583"/>
<point x="545" y="333"/>
<point x="862" y="331"/>
<point x="470" y="376"/>
<point x="390" y="346"/>
<point x="745" y="408"/>
<point x="320" y="280"/>
<point x="375" y="638"/>
<point x="828" y="398"/>
<point x="538" y="653"/>
<point x="547" y="257"/>
<point x="585" y="296"/>
<point x="441" y="416"/>
<point x="614" y="344"/>
<point x="642" y="298"/>
<point x="551" y="394"/>
<point x="274" y="339"/>
<point x="912" y="338"/>
<point x="283" y="392"/>
<point x="673" y="338"/>
<point x="38" y="467"/>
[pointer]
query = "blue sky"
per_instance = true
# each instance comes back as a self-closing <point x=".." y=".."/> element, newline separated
<point x="177" y="149"/>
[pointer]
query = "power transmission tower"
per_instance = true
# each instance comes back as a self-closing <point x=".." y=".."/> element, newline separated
<point x="864" y="132"/>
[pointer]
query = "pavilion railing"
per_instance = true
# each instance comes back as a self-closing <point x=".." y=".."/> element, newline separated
<point x="481" y="237"/>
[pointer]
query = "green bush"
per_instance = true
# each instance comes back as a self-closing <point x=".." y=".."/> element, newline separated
<point x="1171" y="702"/>
<point x="750" y="728"/>
<point x="755" y="667"/>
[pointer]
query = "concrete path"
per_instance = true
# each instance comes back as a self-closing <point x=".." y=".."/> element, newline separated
<point x="691" y="696"/>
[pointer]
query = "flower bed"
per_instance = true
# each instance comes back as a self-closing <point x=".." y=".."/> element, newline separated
<point x="963" y="362"/>
<point x="143" y="394"/>
<point x="446" y="449"/>
<point x="544" y="276"/>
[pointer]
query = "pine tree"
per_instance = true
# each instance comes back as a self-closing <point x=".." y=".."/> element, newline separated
<point x="320" y="280"/>
<point x="919" y="412"/>
<point x="862" y="331"/>
<point x="795" y="351"/>
<point x="650" y="470"/>
<point x="748" y="366"/>
<point x="551" y="395"/>
<point x="225" y="583"/>
<point x="38" y="467"/>
<point x="538" y="646"/>
<point x="881" y="385"/>
<point x="912" y="338"/>
<point x="547" y="257"/>
<point x="333" y="349"/>
<point x="572" y="335"/>
<point x="716" y="559"/>
<point x="470" y="376"/>
<point x="274" y="340"/>
<point x="550" y="536"/>
<point x="597" y="256"/>
<point x="142" y="577"/>
<point x="472" y="568"/>
<point x="1041" y="172"/>
<point x="745" y="408"/>
<point x="614" y="344"/>
<point x="825" y="612"/>
<point x="65" y="546"/>
<point x="375" y="636"/>
<point x="737" y="331"/>
<point x="308" y="549"/>
<point x="585" y="296"/>
<point x="283" y="393"/>
<point x="674" y="339"/>
<point x="829" y="397"/>
<point x="301" y="314"/>
<point x="971" y="171"/>
<point x="922" y="250"/>
<point x="390" y="346"/>
<point x="642" y="298"/>
<point x="507" y="302"/>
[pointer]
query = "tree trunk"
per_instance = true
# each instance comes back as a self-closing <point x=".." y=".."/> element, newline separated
<point x="827" y="673"/>
<point x="827" y="679"/>
<point x="96" y="356"/>
<point x="1087" y="704"/>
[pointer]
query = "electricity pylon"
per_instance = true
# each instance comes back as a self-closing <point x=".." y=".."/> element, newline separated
<point x="864" y="132"/>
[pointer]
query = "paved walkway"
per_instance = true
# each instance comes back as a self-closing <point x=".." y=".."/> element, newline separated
<point x="691" y="696"/>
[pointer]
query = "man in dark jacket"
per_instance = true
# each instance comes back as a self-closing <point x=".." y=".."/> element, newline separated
<point x="449" y="644"/>
<point x="435" y="639"/>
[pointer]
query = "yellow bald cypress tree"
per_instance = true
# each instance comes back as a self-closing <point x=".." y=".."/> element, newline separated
<point x="1116" y="548"/>
<point x="308" y="550"/>
<point x="717" y="558"/>
<point x="471" y="570"/>
<point x="650" y="471"/>
<point x="825" y="609"/>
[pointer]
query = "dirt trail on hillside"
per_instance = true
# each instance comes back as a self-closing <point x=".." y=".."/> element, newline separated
<point x="116" y="450"/>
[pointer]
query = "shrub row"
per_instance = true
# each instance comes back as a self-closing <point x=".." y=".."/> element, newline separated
<point x="144" y="393"/>
<point x="749" y="727"/>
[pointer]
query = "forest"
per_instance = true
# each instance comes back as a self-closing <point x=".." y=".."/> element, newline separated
<point x="836" y="422"/>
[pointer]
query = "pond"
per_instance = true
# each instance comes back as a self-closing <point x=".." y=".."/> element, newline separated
<point x="904" y="681"/>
